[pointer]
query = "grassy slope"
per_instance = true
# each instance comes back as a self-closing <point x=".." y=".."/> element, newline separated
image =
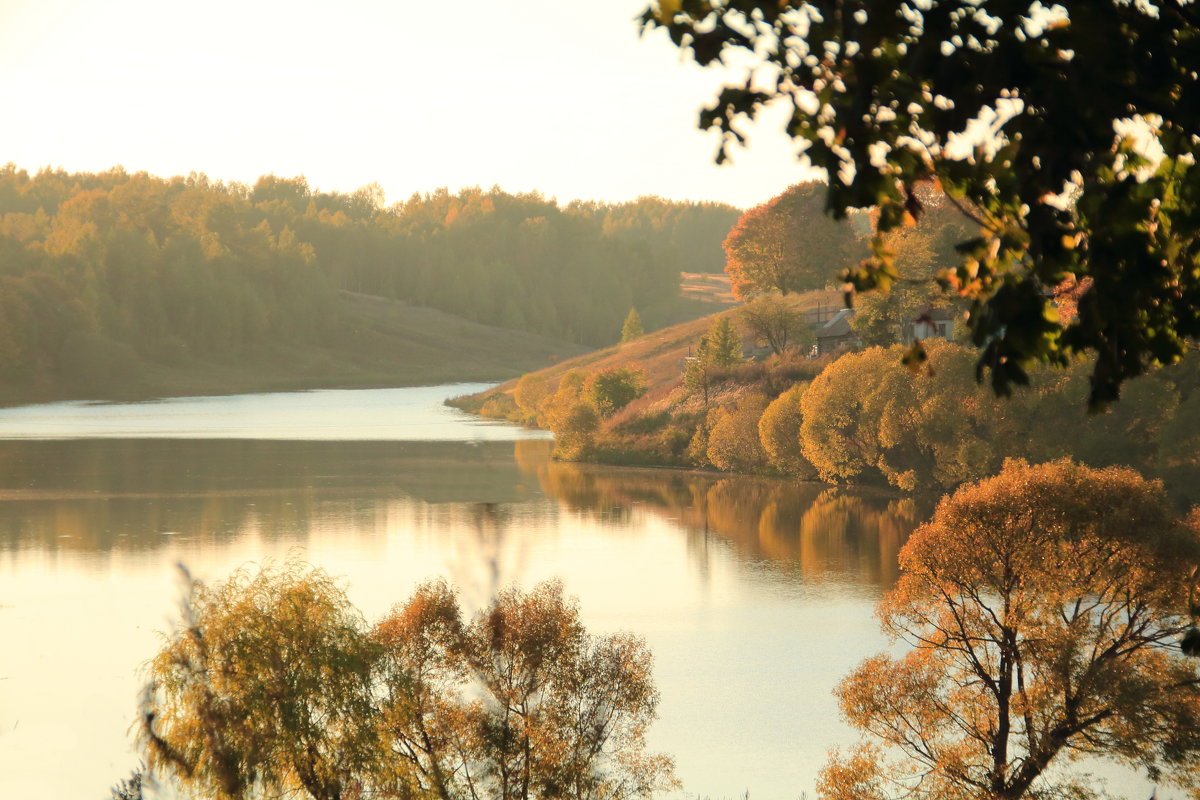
<point x="660" y="354"/>
<point x="381" y="343"/>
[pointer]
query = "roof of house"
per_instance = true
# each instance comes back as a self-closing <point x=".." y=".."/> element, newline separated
<point x="838" y="325"/>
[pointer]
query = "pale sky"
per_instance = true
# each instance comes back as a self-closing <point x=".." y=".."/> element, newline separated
<point x="560" y="96"/>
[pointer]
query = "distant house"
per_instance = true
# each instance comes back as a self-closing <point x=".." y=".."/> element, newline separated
<point x="837" y="333"/>
<point x="931" y="323"/>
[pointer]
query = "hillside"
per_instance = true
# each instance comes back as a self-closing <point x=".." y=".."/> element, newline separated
<point x="708" y="287"/>
<point x="376" y="342"/>
<point x="861" y="416"/>
<point x="660" y="353"/>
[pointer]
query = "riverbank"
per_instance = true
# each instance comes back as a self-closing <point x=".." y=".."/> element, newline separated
<point x="378" y="343"/>
<point x="862" y="418"/>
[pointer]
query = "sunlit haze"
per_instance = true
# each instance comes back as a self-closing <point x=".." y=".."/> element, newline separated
<point x="559" y="97"/>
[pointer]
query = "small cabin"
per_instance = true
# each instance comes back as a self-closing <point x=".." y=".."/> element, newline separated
<point x="836" y="334"/>
<point x="931" y="323"/>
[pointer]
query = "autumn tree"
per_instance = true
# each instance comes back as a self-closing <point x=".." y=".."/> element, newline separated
<point x="920" y="253"/>
<point x="777" y="322"/>
<point x="788" y="244"/>
<point x="879" y="94"/>
<point x="839" y="415"/>
<point x="1043" y="612"/>
<point x="530" y="392"/>
<point x="779" y="433"/>
<point x="568" y="712"/>
<point x="266" y="687"/>
<point x="275" y="687"/>
<point x="733" y="444"/>
<point x="562" y="713"/>
<point x="724" y="344"/>
<point x="698" y="371"/>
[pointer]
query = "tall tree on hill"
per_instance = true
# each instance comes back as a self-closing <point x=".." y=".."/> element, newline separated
<point x="788" y="244"/>
<point x="632" y="328"/>
<point x="775" y="321"/>
<point x="724" y="344"/>
<point x="920" y="253"/>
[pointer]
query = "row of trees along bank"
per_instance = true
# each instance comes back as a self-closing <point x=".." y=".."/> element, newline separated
<point x="96" y="268"/>
<point x="866" y="418"/>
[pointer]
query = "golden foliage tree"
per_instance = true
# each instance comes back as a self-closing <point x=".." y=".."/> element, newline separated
<point x="529" y="393"/>
<point x="520" y="703"/>
<point x="266" y="687"/>
<point x="779" y="433"/>
<point x="1044" y="608"/>
<point x="733" y="444"/>
<point x="275" y="687"/>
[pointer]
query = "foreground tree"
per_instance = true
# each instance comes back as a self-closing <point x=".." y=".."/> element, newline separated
<point x="276" y="688"/>
<point x="265" y="688"/>
<point x="1043" y="607"/>
<point x="1079" y="159"/>
<point x="520" y="703"/>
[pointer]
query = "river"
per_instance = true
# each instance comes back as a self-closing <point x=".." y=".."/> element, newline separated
<point x="755" y="595"/>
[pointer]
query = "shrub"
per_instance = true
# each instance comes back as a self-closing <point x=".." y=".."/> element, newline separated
<point x="779" y="434"/>
<point x="615" y="387"/>
<point x="733" y="444"/>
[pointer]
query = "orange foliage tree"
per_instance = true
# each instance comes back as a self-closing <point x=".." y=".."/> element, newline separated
<point x="788" y="244"/>
<point x="1044" y="611"/>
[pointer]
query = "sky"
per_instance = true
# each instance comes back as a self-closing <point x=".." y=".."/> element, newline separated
<point x="557" y="96"/>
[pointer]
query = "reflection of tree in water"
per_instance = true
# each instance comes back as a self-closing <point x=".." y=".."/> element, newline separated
<point x="144" y="523"/>
<point x="103" y="494"/>
<point x="809" y="528"/>
<point x="532" y="454"/>
<point x="488" y="559"/>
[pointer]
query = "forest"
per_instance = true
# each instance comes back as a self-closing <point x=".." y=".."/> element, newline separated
<point x="99" y="271"/>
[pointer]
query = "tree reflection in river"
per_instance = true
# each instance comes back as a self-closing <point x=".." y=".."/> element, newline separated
<point x="807" y="528"/>
<point x="102" y="495"/>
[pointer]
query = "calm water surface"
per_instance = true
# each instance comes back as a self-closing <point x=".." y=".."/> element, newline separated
<point x="756" y="596"/>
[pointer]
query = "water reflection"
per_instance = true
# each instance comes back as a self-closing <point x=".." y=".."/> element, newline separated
<point x="735" y="582"/>
<point x="809" y="529"/>
<point x="97" y="495"/>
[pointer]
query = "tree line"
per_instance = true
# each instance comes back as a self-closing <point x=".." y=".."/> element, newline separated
<point x="865" y="418"/>
<point x="99" y="268"/>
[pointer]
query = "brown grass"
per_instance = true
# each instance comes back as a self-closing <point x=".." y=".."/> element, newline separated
<point x="661" y="352"/>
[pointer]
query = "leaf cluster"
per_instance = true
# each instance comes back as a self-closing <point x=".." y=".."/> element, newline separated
<point x="1066" y="133"/>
